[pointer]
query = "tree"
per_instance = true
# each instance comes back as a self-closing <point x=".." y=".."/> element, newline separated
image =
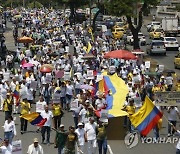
<point x="73" y="5"/>
<point x="131" y="9"/>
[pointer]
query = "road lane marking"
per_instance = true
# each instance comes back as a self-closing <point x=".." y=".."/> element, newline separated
<point x="110" y="150"/>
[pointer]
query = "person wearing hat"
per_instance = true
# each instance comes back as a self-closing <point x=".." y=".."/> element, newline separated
<point x="81" y="138"/>
<point x="71" y="141"/>
<point x="7" y="105"/>
<point x="35" y="148"/>
<point x="60" y="139"/>
<point x="90" y="135"/>
<point x="6" y="147"/>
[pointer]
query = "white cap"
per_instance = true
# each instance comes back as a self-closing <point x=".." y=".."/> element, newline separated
<point x="61" y="125"/>
<point x="80" y="124"/>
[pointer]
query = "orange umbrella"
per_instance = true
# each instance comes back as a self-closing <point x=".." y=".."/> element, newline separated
<point x="121" y="54"/>
<point x="48" y="65"/>
<point x="45" y="69"/>
<point x="25" y="39"/>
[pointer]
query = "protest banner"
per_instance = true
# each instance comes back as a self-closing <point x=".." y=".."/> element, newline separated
<point x="147" y="64"/>
<point x="90" y="74"/>
<point x="67" y="76"/>
<point x="74" y="105"/>
<point x="59" y="74"/>
<point x="104" y="28"/>
<point x="56" y="98"/>
<point x="104" y="115"/>
<point x="17" y="147"/>
<point x="161" y="68"/>
<point x="48" y="78"/>
<point x="6" y="76"/>
<point x="33" y="84"/>
<point x="167" y="98"/>
<point x="137" y="102"/>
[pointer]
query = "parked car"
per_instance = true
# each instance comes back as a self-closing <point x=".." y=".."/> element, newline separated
<point x="156" y="34"/>
<point x="171" y="43"/>
<point x="156" y="46"/>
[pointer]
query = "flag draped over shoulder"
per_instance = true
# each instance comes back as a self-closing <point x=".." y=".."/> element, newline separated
<point x="34" y="118"/>
<point x="146" y="118"/>
<point x="16" y="94"/>
<point x="116" y="99"/>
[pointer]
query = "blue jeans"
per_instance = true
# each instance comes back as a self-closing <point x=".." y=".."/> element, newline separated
<point x="43" y="131"/>
<point x="9" y="136"/>
<point x="102" y="144"/>
<point x="177" y="151"/>
<point x="60" y="150"/>
<point x="156" y="131"/>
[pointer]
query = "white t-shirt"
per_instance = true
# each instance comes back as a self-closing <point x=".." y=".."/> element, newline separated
<point x="100" y="103"/>
<point x="69" y="89"/>
<point x="80" y="133"/>
<point x="40" y="106"/>
<point x="173" y="114"/>
<point x="83" y="116"/>
<point x="47" y="115"/>
<point x="6" y="150"/>
<point x="91" y="131"/>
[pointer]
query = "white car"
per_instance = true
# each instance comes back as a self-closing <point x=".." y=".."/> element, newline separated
<point x="142" y="39"/>
<point x="171" y="43"/>
<point x="153" y="25"/>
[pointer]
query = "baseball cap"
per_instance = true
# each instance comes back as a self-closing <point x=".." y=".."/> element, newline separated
<point x="61" y="125"/>
<point x="80" y="124"/>
<point x="35" y="140"/>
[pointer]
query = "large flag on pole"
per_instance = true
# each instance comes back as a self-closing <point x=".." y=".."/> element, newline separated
<point x="146" y="118"/>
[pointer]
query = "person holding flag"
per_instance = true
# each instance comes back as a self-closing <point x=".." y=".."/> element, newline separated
<point x="16" y="96"/>
<point x="25" y="108"/>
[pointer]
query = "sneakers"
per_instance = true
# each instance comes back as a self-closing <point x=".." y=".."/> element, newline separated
<point x="169" y="135"/>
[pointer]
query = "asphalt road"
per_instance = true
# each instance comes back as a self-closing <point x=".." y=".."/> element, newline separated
<point x="118" y="146"/>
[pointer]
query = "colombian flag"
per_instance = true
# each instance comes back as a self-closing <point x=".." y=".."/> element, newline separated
<point x="16" y="94"/>
<point x="146" y="118"/>
<point x="115" y="91"/>
<point x="34" y="118"/>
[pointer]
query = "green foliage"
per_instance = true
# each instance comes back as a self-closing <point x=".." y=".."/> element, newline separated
<point x="127" y="7"/>
<point x="178" y="7"/>
<point x="35" y="4"/>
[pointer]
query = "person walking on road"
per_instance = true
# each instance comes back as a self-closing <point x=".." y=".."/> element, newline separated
<point x="7" y="106"/>
<point x="35" y="148"/>
<point x="25" y="108"/>
<point x="60" y="139"/>
<point x="102" y="137"/>
<point x="90" y="136"/>
<point x="81" y="138"/>
<point x="6" y="148"/>
<point x="71" y="141"/>
<point x="9" y="129"/>
<point x="47" y="126"/>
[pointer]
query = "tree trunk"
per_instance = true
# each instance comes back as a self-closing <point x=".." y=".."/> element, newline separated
<point x="94" y="20"/>
<point x="136" y="30"/>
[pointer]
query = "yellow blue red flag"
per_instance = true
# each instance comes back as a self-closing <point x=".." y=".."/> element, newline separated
<point x="116" y="99"/>
<point x="34" y="118"/>
<point x="146" y="118"/>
